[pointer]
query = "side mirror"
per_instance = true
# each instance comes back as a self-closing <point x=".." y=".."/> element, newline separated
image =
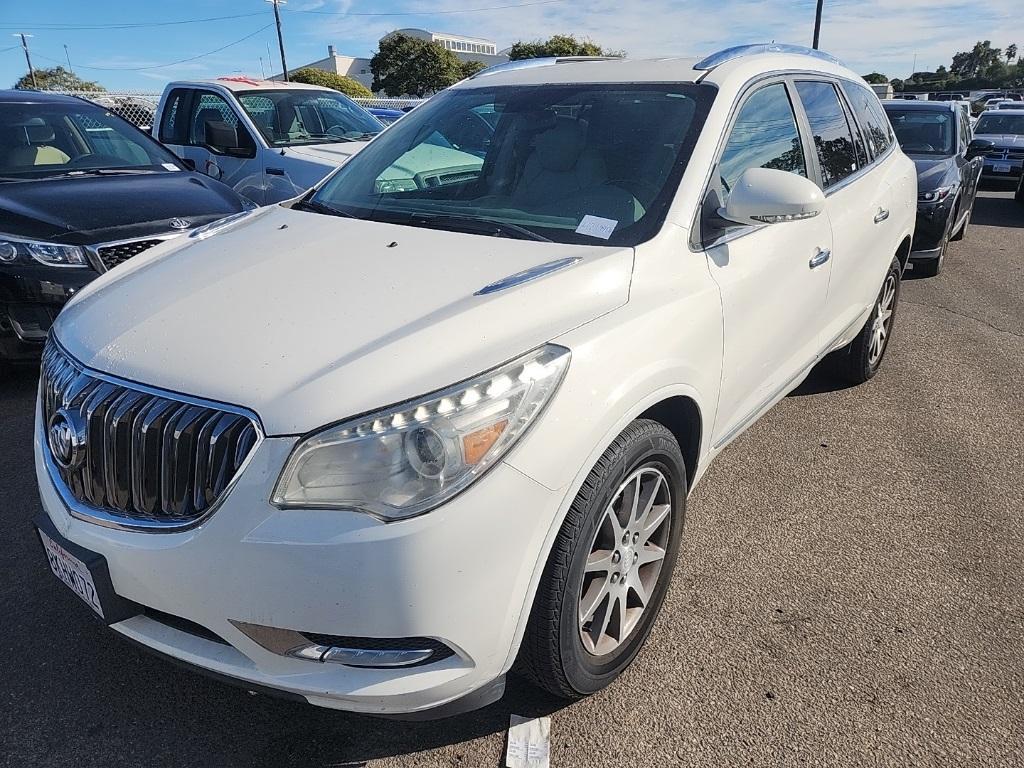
<point x="979" y="148"/>
<point x="223" y="137"/>
<point x="769" y="196"/>
<point x="190" y="164"/>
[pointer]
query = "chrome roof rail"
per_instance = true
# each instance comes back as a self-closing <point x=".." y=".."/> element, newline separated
<point x="511" y="66"/>
<point x="736" y="52"/>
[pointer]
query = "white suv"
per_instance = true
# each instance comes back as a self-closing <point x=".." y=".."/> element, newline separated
<point x="438" y="418"/>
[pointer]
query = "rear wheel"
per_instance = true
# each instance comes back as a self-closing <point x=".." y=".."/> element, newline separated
<point x="610" y="566"/>
<point x="860" y="360"/>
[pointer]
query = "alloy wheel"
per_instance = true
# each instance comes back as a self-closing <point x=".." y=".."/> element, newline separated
<point x="625" y="560"/>
<point x="883" y="321"/>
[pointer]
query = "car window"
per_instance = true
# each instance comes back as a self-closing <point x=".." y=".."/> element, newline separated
<point x="69" y="138"/>
<point x="833" y="139"/>
<point x="581" y="163"/>
<point x="208" y="108"/>
<point x="172" y="123"/>
<point x="996" y="124"/>
<point x="872" y="119"/>
<point x="924" y="132"/>
<point x="764" y="135"/>
<point x="304" y="116"/>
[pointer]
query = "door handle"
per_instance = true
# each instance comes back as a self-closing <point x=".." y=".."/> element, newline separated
<point x="275" y="171"/>
<point x="881" y="216"/>
<point x="820" y="257"/>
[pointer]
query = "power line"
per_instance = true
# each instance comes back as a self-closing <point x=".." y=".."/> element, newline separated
<point x="128" y="25"/>
<point x="430" y="13"/>
<point x="170" y="63"/>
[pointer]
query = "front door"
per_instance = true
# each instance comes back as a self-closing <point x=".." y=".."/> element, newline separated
<point x="773" y="279"/>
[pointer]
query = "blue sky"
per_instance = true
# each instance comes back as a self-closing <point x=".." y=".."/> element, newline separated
<point x="881" y="35"/>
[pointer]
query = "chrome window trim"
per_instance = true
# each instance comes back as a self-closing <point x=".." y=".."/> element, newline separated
<point x="108" y="519"/>
<point x="94" y="249"/>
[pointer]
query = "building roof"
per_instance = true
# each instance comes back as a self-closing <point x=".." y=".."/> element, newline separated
<point x="451" y="35"/>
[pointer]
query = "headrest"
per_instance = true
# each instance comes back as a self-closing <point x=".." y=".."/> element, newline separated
<point x="40" y="133"/>
<point x="558" y="148"/>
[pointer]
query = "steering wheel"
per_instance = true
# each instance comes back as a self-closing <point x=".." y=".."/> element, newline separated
<point x="96" y="161"/>
<point x="342" y="133"/>
<point x="911" y="147"/>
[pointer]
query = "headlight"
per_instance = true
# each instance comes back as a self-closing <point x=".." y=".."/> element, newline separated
<point x="934" y="195"/>
<point x="406" y="460"/>
<point x="13" y="249"/>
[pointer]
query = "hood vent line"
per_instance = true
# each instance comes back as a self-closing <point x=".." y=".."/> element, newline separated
<point x="527" y="275"/>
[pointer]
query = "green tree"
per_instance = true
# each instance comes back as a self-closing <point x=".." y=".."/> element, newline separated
<point x="57" y="79"/>
<point x="1011" y="52"/>
<point x="406" y="65"/>
<point x="470" y="68"/>
<point x="558" y="45"/>
<point x="336" y="82"/>
<point x="876" y="78"/>
<point x="897" y="84"/>
<point x="976" y="61"/>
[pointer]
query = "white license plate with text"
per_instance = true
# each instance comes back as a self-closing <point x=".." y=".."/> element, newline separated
<point x="72" y="572"/>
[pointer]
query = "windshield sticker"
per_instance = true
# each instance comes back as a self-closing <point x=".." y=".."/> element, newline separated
<point x="595" y="226"/>
<point x="171" y="167"/>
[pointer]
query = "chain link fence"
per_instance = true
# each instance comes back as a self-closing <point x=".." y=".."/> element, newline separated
<point x="139" y="107"/>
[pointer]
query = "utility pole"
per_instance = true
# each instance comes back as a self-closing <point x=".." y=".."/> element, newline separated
<point x="28" y="59"/>
<point x="68" y="56"/>
<point x="280" y="38"/>
<point x="817" y="24"/>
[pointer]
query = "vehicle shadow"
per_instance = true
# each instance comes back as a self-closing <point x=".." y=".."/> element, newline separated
<point x="1001" y="211"/>
<point x="819" y="381"/>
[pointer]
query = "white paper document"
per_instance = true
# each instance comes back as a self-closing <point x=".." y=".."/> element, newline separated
<point x="595" y="226"/>
<point x="529" y="742"/>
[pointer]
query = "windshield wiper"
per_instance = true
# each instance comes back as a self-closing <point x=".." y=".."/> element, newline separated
<point x="103" y="172"/>
<point x="477" y="224"/>
<point x="315" y="207"/>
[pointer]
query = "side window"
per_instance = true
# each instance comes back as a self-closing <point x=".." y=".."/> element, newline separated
<point x="871" y="116"/>
<point x="214" y="125"/>
<point x="830" y="129"/>
<point x="764" y="136"/>
<point x="172" y="124"/>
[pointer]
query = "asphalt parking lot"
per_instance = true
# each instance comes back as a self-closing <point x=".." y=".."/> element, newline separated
<point x="850" y="590"/>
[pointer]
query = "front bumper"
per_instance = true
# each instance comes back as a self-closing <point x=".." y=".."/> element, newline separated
<point x="461" y="574"/>
<point x="932" y="220"/>
<point x="31" y="296"/>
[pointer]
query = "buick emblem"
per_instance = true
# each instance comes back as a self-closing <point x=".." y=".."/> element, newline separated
<point x="66" y="437"/>
<point x="180" y="223"/>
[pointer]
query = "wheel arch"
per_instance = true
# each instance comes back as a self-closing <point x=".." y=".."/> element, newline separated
<point x="903" y="252"/>
<point x="681" y="415"/>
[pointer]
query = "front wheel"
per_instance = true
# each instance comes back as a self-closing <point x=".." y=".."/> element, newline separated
<point x="860" y="360"/>
<point x="610" y="566"/>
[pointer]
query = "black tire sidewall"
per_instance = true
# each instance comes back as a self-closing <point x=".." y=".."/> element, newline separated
<point x="585" y="673"/>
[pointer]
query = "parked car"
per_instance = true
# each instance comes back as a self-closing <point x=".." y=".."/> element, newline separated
<point x="392" y="442"/>
<point x="936" y="135"/>
<point x="385" y="116"/>
<point x="1004" y="157"/>
<point x="268" y="140"/>
<point x="1019" y="195"/>
<point x="81" y="191"/>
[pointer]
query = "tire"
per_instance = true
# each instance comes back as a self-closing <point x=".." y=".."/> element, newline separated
<point x="858" y="361"/>
<point x="962" y="232"/>
<point x="555" y="654"/>
<point x="932" y="267"/>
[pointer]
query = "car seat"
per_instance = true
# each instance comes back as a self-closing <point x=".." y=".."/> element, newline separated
<point x="36" y="146"/>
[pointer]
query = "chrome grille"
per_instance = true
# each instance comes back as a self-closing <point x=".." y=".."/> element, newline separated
<point x="118" y="253"/>
<point x="147" y="459"/>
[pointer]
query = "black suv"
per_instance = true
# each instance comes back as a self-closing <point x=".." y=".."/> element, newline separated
<point x="937" y="137"/>
<point x="82" y="190"/>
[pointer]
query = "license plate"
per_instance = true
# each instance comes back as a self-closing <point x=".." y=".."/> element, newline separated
<point x="72" y="572"/>
<point x="1001" y="167"/>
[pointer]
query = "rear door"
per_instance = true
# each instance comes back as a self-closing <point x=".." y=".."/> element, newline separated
<point x="858" y="195"/>
<point x="773" y="279"/>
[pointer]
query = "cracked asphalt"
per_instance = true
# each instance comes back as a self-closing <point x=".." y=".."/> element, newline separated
<point x="849" y="591"/>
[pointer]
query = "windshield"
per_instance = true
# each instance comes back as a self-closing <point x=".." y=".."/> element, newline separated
<point x="582" y="163"/>
<point x="996" y="124"/>
<point x="288" y="118"/>
<point x="55" y="139"/>
<point x="922" y="132"/>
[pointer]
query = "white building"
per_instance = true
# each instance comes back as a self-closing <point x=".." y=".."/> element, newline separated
<point x="464" y="47"/>
<point x="348" y="66"/>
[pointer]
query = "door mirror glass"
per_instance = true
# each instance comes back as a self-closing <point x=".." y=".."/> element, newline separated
<point x="979" y="147"/>
<point x="769" y="196"/>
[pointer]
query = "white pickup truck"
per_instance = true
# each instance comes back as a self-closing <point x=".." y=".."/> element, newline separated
<point x="269" y="140"/>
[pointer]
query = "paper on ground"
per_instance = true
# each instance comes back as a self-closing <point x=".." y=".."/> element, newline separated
<point x="529" y="744"/>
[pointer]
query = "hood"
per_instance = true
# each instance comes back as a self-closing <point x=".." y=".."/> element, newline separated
<point x="1010" y="140"/>
<point x="931" y="171"/>
<point x="309" y="319"/>
<point x="93" y="209"/>
<point x="329" y="154"/>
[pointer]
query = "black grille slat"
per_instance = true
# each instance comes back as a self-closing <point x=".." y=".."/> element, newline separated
<point x="112" y="255"/>
<point x="149" y="458"/>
